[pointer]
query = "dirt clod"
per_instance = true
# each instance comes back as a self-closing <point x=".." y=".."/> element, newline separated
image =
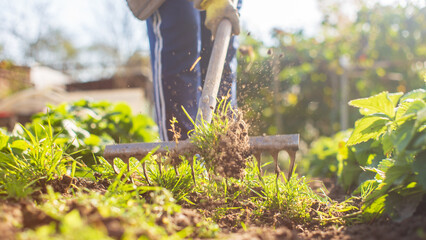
<point x="233" y="150"/>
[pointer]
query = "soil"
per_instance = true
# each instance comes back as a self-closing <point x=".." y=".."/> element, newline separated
<point x="271" y="226"/>
<point x="22" y="213"/>
<point x="230" y="154"/>
<point x="16" y="216"/>
<point x="66" y="185"/>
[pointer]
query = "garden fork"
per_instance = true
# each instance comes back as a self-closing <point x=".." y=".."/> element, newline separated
<point x="258" y="145"/>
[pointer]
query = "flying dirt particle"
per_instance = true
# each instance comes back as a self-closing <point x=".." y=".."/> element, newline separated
<point x="229" y="154"/>
<point x="270" y="51"/>
<point x="200" y="88"/>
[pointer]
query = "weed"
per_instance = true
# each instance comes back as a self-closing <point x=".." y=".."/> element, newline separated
<point x="27" y="163"/>
<point x="180" y="185"/>
<point x="223" y="143"/>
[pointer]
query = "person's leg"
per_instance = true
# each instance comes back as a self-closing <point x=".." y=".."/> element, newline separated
<point x="174" y="34"/>
<point x="229" y="76"/>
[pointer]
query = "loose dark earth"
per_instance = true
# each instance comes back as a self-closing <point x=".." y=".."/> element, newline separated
<point x="272" y="226"/>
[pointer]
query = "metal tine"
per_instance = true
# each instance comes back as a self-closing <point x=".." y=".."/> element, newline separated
<point x="111" y="161"/>
<point x="193" y="171"/>
<point x="259" y="144"/>
<point x="274" y="155"/>
<point x="127" y="161"/>
<point x="159" y="163"/>
<point x="257" y="155"/>
<point x="145" y="173"/>
<point x="292" y="155"/>
<point x="277" y="169"/>
<point x="115" y="168"/>
<point x="176" y="170"/>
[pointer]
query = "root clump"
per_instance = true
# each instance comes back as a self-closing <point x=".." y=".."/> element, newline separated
<point x="232" y="150"/>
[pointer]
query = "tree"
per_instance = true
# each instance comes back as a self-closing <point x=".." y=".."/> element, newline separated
<point x="381" y="49"/>
<point x="29" y="36"/>
<point x="121" y="34"/>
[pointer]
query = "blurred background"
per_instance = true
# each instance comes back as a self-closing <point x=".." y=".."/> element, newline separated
<point x="300" y="62"/>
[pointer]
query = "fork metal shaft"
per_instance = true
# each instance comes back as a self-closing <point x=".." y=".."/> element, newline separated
<point x="140" y="150"/>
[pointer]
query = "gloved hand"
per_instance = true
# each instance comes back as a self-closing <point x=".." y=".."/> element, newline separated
<point x="216" y="10"/>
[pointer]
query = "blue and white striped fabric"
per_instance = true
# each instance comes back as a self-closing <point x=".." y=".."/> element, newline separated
<point x="177" y="39"/>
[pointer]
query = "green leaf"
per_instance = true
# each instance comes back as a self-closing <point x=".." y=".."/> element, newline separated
<point x="421" y="118"/>
<point x="123" y="108"/>
<point x="419" y="168"/>
<point x="381" y="103"/>
<point x="396" y="174"/>
<point x="410" y="107"/>
<point x="415" y="94"/>
<point x="92" y="140"/>
<point x="20" y="144"/>
<point x="419" y="142"/>
<point x="375" y="208"/>
<point x="387" y="143"/>
<point x="369" y="127"/>
<point x="402" y="206"/>
<point x="385" y="164"/>
<point x="5" y="159"/>
<point x="403" y="135"/>
<point x="348" y="172"/>
<point x="367" y="153"/>
<point x="394" y="98"/>
<point x="4" y="139"/>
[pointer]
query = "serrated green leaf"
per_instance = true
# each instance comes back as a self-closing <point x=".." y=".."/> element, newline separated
<point x="421" y="118"/>
<point x="415" y="94"/>
<point x="410" y="107"/>
<point x="403" y="135"/>
<point x="394" y="98"/>
<point x="381" y="103"/>
<point x="369" y="127"/>
<point x="387" y="143"/>
<point x="396" y="174"/>
<point x="385" y="164"/>
<point x="380" y="175"/>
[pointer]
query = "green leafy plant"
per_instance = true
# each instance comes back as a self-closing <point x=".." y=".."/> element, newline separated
<point x="88" y="126"/>
<point x="324" y="154"/>
<point x="28" y="164"/>
<point x="396" y="123"/>
<point x="179" y="182"/>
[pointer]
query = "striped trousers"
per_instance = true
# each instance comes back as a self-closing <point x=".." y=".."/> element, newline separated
<point x="177" y="38"/>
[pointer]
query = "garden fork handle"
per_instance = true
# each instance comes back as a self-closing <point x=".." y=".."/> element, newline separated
<point x="207" y="102"/>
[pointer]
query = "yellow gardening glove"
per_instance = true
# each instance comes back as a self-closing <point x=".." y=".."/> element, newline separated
<point x="216" y="10"/>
